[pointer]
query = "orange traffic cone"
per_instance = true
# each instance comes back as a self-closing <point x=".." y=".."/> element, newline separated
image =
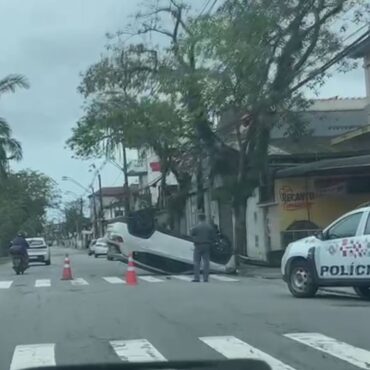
<point x="67" y="271"/>
<point x="131" y="278"/>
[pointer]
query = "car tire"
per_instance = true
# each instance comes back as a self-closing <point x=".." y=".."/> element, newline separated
<point x="363" y="291"/>
<point x="89" y="253"/>
<point x="47" y="263"/>
<point x="300" y="280"/>
<point x="96" y="256"/>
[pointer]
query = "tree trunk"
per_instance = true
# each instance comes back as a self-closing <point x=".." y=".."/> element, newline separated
<point x="239" y="229"/>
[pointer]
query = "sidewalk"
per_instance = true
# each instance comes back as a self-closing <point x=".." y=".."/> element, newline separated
<point x="263" y="272"/>
<point x="4" y="260"/>
<point x="273" y="273"/>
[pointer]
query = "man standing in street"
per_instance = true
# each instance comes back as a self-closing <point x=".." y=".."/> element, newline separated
<point x="204" y="236"/>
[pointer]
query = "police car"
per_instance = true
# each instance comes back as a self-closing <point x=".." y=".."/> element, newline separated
<point x="337" y="256"/>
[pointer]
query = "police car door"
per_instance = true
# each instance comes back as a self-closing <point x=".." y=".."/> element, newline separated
<point x="342" y="248"/>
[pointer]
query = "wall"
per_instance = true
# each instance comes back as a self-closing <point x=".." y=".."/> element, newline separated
<point x="148" y="156"/>
<point x="319" y="200"/>
<point x="302" y="199"/>
<point x="256" y="241"/>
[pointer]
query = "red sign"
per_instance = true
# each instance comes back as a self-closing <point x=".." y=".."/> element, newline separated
<point x="155" y="166"/>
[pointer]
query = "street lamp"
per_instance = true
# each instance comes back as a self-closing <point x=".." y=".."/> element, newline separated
<point x="68" y="178"/>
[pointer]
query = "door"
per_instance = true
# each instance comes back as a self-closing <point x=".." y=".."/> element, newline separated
<point x="340" y="254"/>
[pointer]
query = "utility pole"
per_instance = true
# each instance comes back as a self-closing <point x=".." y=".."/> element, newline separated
<point x="127" y="190"/>
<point x="82" y="208"/>
<point x="95" y="213"/>
<point x="101" y="209"/>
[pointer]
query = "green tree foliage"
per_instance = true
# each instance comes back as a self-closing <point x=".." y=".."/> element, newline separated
<point x="25" y="198"/>
<point x="254" y="57"/>
<point x="123" y="109"/>
<point x="10" y="148"/>
<point x="75" y="220"/>
<point x="262" y="54"/>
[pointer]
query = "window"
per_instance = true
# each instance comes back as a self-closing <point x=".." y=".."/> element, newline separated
<point x="346" y="227"/>
<point x="367" y="226"/>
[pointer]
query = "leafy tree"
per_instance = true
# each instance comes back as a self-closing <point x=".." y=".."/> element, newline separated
<point x="248" y="56"/>
<point x="75" y="220"/>
<point x="10" y="148"/>
<point x="124" y="111"/>
<point x="263" y="53"/>
<point x="25" y="198"/>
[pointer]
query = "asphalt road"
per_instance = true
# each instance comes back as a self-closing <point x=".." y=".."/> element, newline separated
<point x="44" y="320"/>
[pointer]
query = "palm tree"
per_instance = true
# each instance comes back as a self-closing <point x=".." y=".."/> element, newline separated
<point x="10" y="148"/>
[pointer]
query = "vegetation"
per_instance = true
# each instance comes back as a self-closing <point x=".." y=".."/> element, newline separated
<point x="25" y="195"/>
<point x="10" y="148"/>
<point x="25" y="198"/>
<point x="180" y="71"/>
<point x="75" y="221"/>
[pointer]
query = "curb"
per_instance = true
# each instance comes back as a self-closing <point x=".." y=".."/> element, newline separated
<point x="341" y="292"/>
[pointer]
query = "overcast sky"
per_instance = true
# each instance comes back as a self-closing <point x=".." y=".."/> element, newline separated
<point x="51" y="42"/>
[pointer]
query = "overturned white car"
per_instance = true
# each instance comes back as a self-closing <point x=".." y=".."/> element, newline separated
<point x="162" y="250"/>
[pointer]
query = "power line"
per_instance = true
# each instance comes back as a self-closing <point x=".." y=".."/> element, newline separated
<point x="204" y="7"/>
<point x="338" y="57"/>
<point x="355" y="32"/>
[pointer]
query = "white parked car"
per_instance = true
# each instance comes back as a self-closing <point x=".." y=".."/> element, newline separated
<point x="337" y="256"/>
<point x="39" y="251"/>
<point x="100" y="248"/>
<point x="91" y="247"/>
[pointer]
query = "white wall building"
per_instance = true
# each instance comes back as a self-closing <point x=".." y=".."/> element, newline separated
<point x="147" y="169"/>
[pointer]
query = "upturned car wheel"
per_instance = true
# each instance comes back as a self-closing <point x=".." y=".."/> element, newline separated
<point x="363" y="291"/>
<point x="300" y="280"/>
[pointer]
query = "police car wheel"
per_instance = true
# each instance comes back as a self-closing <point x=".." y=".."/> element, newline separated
<point x="362" y="291"/>
<point x="300" y="281"/>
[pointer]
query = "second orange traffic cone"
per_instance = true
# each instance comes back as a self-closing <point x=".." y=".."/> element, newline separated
<point x="131" y="278"/>
<point x="67" y="271"/>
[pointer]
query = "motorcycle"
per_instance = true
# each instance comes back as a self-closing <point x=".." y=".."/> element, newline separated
<point x="20" y="261"/>
<point x="19" y="265"/>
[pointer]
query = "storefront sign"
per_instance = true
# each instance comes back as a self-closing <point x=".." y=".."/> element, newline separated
<point x="293" y="199"/>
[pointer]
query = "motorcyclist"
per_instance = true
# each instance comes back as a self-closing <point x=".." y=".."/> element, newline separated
<point x="19" y="246"/>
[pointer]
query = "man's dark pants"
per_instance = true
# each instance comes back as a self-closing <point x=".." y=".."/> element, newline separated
<point x="201" y="253"/>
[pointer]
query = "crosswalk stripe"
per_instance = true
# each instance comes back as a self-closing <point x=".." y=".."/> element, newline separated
<point x="151" y="279"/>
<point x="5" y="284"/>
<point x="223" y="278"/>
<point x="137" y="350"/>
<point x="79" y="281"/>
<point x="113" y="280"/>
<point x="33" y="355"/>
<point x="182" y="277"/>
<point x="353" y="355"/>
<point x="39" y="283"/>
<point x="233" y="348"/>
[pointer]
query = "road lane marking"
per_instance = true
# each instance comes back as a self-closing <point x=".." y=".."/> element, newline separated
<point x="5" y="284"/>
<point x="346" y="352"/>
<point x="150" y="279"/>
<point x="233" y="348"/>
<point x="182" y="277"/>
<point x="79" y="281"/>
<point x="223" y="278"/>
<point x="137" y="350"/>
<point x="39" y="283"/>
<point x="113" y="280"/>
<point x="33" y="355"/>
